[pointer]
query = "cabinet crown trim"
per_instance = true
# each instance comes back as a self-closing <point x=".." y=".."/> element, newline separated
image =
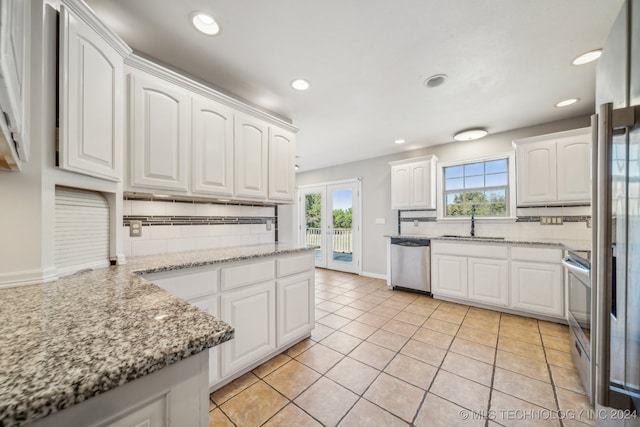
<point x="549" y="136"/>
<point x="431" y="157"/>
<point x="138" y="62"/>
<point x="87" y="14"/>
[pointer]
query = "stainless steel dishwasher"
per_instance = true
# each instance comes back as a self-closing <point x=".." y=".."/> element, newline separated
<point x="411" y="264"/>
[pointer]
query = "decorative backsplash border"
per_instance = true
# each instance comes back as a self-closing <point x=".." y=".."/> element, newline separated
<point x="566" y="218"/>
<point x="197" y="220"/>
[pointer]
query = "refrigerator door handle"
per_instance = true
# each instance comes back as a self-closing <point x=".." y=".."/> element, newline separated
<point x="602" y="233"/>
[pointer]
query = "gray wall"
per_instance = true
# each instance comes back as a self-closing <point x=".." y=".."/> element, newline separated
<point x="376" y="184"/>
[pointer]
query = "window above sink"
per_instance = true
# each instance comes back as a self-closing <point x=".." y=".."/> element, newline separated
<point x="487" y="183"/>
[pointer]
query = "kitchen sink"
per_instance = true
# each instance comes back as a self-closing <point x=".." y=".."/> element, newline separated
<point x="472" y="237"/>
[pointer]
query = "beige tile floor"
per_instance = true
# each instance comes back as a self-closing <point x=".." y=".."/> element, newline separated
<point x="388" y="358"/>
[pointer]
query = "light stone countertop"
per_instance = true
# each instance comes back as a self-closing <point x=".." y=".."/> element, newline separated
<point x="82" y="335"/>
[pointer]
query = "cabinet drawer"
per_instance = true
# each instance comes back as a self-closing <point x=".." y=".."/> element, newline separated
<point x="186" y="284"/>
<point x="295" y="264"/>
<point x="246" y="274"/>
<point x="536" y="254"/>
<point x="474" y="250"/>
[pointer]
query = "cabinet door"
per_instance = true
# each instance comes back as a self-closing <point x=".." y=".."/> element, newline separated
<point x="537" y="288"/>
<point x="250" y="157"/>
<point x="449" y="275"/>
<point x="400" y="186"/>
<point x="212" y="157"/>
<point x="160" y="134"/>
<point x="251" y="312"/>
<point x="489" y="281"/>
<point x="536" y="173"/>
<point x="91" y="100"/>
<point x="209" y="304"/>
<point x="295" y="307"/>
<point x="14" y="53"/>
<point x="574" y="169"/>
<point x="282" y="158"/>
<point x="421" y="194"/>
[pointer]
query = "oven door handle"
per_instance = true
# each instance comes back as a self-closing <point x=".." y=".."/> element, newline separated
<point x="578" y="269"/>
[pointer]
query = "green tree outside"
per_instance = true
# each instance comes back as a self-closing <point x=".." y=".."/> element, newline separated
<point x="495" y="205"/>
<point x="313" y="210"/>
<point x="342" y="218"/>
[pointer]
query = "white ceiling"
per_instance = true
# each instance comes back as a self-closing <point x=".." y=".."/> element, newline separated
<point x="508" y="63"/>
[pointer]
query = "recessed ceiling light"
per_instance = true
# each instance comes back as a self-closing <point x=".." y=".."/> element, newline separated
<point x="470" y="135"/>
<point x="205" y="23"/>
<point x="435" y="80"/>
<point x="300" y="84"/>
<point x="399" y="141"/>
<point x="567" y="102"/>
<point x="587" y="57"/>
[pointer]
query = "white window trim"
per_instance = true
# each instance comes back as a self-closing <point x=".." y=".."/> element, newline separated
<point x="440" y="205"/>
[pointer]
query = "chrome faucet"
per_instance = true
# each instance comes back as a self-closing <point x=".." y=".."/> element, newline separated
<point x="473" y="220"/>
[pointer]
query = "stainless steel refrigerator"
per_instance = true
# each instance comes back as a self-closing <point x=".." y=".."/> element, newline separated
<point x="616" y="215"/>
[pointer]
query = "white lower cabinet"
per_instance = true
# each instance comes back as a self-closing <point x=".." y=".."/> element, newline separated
<point x="524" y="279"/>
<point x="489" y="280"/>
<point x="449" y="275"/>
<point x="252" y="313"/>
<point x="296" y="306"/>
<point x="537" y="287"/>
<point x="268" y="302"/>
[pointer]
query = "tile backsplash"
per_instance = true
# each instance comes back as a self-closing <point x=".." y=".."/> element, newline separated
<point x="174" y="226"/>
<point x="575" y="228"/>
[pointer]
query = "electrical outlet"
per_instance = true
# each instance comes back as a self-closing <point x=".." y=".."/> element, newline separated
<point x="415" y="222"/>
<point x="135" y="228"/>
<point x="268" y="225"/>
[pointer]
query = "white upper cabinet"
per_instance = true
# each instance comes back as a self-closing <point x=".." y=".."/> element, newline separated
<point x="212" y="153"/>
<point x="413" y="183"/>
<point x="14" y="59"/>
<point x="554" y="169"/>
<point x="251" y="157"/>
<point x="187" y="139"/>
<point x="160" y="134"/>
<point x="91" y="94"/>
<point x="282" y="157"/>
<point x="574" y="168"/>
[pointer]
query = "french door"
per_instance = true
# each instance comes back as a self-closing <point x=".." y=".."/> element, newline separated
<point x="330" y="220"/>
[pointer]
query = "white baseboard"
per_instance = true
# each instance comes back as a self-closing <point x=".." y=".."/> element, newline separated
<point x="28" y="277"/>
<point x="374" y="275"/>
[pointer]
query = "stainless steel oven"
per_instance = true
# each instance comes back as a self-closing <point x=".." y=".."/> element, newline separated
<point x="578" y="269"/>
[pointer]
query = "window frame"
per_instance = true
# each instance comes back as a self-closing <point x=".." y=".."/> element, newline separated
<point x="511" y="188"/>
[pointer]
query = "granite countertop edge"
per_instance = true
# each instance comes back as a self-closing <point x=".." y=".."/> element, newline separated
<point x="34" y="389"/>
<point x="508" y="241"/>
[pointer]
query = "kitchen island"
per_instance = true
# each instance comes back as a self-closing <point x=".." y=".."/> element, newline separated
<point x="65" y="342"/>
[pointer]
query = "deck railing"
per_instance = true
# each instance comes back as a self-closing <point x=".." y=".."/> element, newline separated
<point x="342" y="239"/>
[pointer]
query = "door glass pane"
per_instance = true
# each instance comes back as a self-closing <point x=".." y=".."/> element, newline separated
<point x="313" y="226"/>
<point x="342" y="202"/>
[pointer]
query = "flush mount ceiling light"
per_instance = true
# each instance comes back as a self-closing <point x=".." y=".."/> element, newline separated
<point x="587" y="57"/>
<point x="470" y="135"/>
<point x="435" y="81"/>
<point x="399" y="141"/>
<point x="300" y="84"/>
<point x="205" y="23"/>
<point x="567" y="102"/>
